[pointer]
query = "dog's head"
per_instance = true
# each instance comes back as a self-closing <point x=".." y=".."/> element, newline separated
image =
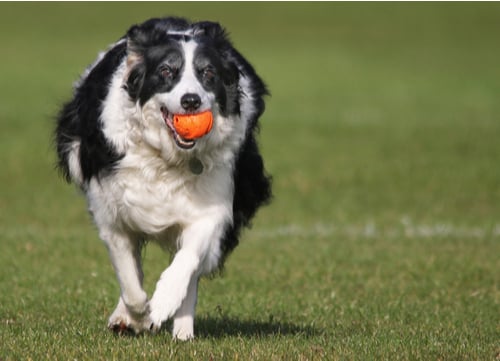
<point x="174" y="67"/>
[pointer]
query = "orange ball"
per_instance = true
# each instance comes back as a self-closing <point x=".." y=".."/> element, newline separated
<point x="193" y="126"/>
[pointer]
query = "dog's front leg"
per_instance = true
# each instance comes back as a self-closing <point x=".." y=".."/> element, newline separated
<point x="176" y="291"/>
<point x="183" y="327"/>
<point x="132" y="311"/>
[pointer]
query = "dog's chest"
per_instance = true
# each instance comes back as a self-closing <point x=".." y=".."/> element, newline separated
<point x="151" y="200"/>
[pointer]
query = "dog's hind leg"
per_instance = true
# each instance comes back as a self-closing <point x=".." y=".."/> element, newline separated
<point x="132" y="311"/>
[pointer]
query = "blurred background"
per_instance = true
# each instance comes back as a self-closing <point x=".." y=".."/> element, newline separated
<point x="377" y="110"/>
<point x="381" y="132"/>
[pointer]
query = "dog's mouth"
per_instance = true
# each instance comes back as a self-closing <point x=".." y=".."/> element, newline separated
<point x="180" y="141"/>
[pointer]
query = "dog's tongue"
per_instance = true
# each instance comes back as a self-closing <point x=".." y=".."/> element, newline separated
<point x="193" y="126"/>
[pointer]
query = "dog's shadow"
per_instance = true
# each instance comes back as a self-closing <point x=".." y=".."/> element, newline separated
<point x="218" y="327"/>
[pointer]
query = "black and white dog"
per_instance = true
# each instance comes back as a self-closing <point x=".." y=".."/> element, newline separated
<point x="144" y="181"/>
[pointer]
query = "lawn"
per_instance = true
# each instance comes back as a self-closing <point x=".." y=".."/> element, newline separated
<point x="383" y="239"/>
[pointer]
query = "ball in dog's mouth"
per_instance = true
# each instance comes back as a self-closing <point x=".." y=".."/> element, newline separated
<point x="179" y="140"/>
<point x="186" y="128"/>
<point x="193" y="126"/>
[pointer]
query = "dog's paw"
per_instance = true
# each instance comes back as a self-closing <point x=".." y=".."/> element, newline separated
<point x="163" y="307"/>
<point x="128" y="325"/>
<point x="158" y="316"/>
<point x="183" y="330"/>
<point x="121" y="329"/>
<point x="122" y="322"/>
<point x="180" y="332"/>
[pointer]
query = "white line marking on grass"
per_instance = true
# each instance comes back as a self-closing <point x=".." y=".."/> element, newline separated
<point x="405" y="228"/>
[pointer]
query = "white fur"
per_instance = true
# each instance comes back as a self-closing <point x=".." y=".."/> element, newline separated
<point x="74" y="163"/>
<point x="154" y="194"/>
<point x="189" y="84"/>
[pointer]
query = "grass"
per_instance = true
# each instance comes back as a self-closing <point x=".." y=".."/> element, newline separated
<point x="383" y="238"/>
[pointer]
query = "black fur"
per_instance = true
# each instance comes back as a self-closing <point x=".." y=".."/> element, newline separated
<point x="252" y="190"/>
<point x="79" y="119"/>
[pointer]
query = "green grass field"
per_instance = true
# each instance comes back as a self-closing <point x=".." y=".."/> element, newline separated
<point x="383" y="239"/>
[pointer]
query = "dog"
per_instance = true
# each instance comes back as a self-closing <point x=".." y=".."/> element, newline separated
<point x="144" y="181"/>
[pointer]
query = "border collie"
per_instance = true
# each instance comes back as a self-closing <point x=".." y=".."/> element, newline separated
<point x="144" y="181"/>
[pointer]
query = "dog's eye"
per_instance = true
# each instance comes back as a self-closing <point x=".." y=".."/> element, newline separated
<point x="167" y="72"/>
<point x="208" y="74"/>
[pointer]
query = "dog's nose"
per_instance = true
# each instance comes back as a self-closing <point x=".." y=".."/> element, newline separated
<point x="190" y="101"/>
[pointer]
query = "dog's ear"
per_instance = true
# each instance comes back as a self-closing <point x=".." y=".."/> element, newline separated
<point x="136" y="69"/>
<point x="135" y="81"/>
<point x="210" y="29"/>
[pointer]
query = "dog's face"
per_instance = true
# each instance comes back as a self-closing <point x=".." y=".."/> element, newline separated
<point x="183" y="71"/>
